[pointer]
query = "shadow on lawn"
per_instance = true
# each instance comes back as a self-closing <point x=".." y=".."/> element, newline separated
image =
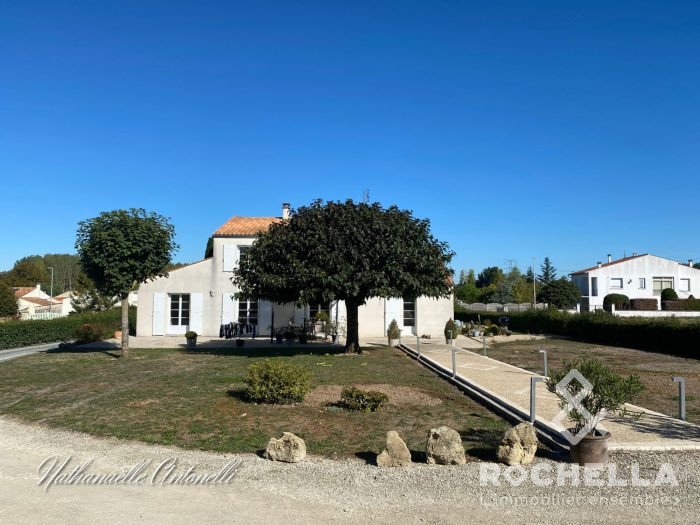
<point x="112" y="351"/>
<point x="263" y="351"/>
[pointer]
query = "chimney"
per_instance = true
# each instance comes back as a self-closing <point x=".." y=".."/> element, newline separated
<point x="634" y="254"/>
<point x="38" y="287"/>
<point x="609" y="257"/>
<point x="599" y="264"/>
<point x="285" y="210"/>
<point x="690" y="262"/>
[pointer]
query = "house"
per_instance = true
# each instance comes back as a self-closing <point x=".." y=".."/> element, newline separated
<point x="32" y="301"/>
<point x="200" y="297"/>
<point x="638" y="277"/>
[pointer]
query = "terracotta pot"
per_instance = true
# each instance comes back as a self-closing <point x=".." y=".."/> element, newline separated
<point x="118" y="334"/>
<point x="591" y="450"/>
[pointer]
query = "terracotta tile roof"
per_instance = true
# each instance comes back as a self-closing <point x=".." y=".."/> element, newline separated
<point x="37" y="300"/>
<point x="246" y="225"/>
<point x="624" y="259"/>
<point x="21" y="292"/>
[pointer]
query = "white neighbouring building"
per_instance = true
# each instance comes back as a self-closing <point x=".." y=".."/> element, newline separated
<point x="200" y="297"/>
<point x="637" y="277"/>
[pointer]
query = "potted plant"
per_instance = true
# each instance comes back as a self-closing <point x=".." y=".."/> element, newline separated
<point x="324" y="319"/>
<point x="450" y="331"/>
<point x="393" y="333"/>
<point x="609" y="393"/>
<point x="191" y="339"/>
<point x="279" y="336"/>
<point x="334" y="331"/>
<point x="240" y="342"/>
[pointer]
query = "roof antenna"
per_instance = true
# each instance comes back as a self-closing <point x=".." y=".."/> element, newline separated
<point x="365" y="196"/>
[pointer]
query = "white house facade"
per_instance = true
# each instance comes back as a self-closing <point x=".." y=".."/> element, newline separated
<point x="201" y="297"/>
<point x="638" y="277"/>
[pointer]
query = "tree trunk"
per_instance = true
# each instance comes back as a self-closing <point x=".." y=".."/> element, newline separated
<point x="352" y="341"/>
<point x="125" y="325"/>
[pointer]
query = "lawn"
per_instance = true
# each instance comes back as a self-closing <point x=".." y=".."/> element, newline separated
<point x="655" y="370"/>
<point x="194" y="400"/>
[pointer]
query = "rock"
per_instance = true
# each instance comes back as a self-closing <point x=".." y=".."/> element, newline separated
<point x="396" y="453"/>
<point x="444" y="447"/>
<point x="518" y="445"/>
<point x="289" y="448"/>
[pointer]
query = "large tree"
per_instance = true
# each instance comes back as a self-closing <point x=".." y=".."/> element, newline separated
<point x="560" y="293"/>
<point x="8" y="301"/>
<point x="346" y="251"/>
<point x="489" y="277"/>
<point x="548" y="272"/>
<point x="122" y="248"/>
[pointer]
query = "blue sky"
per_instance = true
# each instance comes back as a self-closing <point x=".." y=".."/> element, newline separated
<point x="554" y="129"/>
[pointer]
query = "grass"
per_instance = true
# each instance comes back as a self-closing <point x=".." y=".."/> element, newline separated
<point x="655" y="370"/>
<point x="194" y="400"/>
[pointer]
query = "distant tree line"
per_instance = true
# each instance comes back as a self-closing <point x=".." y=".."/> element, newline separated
<point x="493" y="285"/>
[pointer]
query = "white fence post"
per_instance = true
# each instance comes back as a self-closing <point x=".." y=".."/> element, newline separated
<point x="533" y="392"/>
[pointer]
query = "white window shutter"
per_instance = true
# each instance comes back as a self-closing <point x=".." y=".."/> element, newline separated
<point x="230" y="256"/>
<point x="264" y="316"/>
<point x="196" y="312"/>
<point x="228" y="308"/>
<point x="158" y="313"/>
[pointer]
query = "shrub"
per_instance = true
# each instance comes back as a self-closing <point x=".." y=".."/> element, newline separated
<point x="8" y="301"/>
<point x="492" y="330"/>
<point x="190" y="335"/>
<point x="24" y="333"/>
<point x="393" y="332"/>
<point x="89" y="333"/>
<point x="560" y="293"/>
<point x="621" y="302"/>
<point x="450" y="329"/>
<point x="276" y="382"/>
<point x="644" y="304"/>
<point x="362" y="400"/>
<point x="668" y="294"/>
<point x="610" y="391"/>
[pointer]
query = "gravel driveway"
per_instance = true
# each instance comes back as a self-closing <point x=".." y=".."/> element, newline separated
<point x="315" y="491"/>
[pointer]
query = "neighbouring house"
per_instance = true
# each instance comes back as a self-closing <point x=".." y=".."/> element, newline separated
<point x="638" y="277"/>
<point x="200" y="297"/>
<point x="33" y="302"/>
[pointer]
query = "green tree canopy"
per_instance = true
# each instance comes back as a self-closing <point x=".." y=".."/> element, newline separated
<point x="489" y="276"/>
<point x="8" y="301"/>
<point x="560" y="293"/>
<point x="120" y="249"/>
<point x="548" y="272"/>
<point x="345" y="251"/>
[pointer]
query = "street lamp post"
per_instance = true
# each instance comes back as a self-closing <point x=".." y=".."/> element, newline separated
<point x="51" y="290"/>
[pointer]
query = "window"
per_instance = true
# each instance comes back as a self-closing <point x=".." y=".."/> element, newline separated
<point x="661" y="283"/>
<point x="179" y="309"/>
<point x="242" y="250"/>
<point x="642" y="283"/>
<point x="685" y="285"/>
<point x="594" y="286"/>
<point x="616" y="283"/>
<point x="409" y="312"/>
<point x="315" y="309"/>
<point x="248" y="311"/>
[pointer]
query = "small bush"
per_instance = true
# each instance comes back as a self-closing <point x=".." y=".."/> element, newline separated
<point x="362" y="400"/>
<point x="89" y="333"/>
<point x="492" y="330"/>
<point x="644" y="304"/>
<point x="451" y="329"/>
<point x="276" y="382"/>
<point x="687" y="305"/>
<point x="621" y="302"/>
<point x="668" y="294"/>
<point x="393" y="332"/>
<point x="190" y="335"/>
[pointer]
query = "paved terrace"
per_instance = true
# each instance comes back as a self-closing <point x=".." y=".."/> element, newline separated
<point x="506" y="386"/>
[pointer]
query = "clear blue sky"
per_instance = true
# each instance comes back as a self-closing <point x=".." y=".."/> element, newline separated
<point x="519" y="131"/>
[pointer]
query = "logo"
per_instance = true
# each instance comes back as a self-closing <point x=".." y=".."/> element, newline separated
<point x="573" y="403"/>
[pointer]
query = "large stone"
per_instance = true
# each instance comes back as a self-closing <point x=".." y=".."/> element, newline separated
<point x="396" y="453"/>
<point x="444" y="447"/>
<point x="289" y="448"/>
<point x="518" y="445"/>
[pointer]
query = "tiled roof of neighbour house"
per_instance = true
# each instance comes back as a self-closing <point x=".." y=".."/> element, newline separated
<point x="624" y="259"/>
<point x="38" y="300"/>
<point x="22" y="291"/>
<point x="246" y="225"/>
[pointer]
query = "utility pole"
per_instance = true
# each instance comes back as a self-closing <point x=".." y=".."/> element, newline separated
<point x="534" y="284"/>
<point x="51" y="291"/>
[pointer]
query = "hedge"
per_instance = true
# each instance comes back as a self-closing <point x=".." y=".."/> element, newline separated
<point x="621" y="301"/>
<point x="24" y="333"/>
<point x="644" y="304"/>
<point x="673" y="336"/>
<point x="684" y="305"/>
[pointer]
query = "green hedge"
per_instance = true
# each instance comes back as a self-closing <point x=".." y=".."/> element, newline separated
<point x="673" y="336"/>
<point x="24" y="333"/>
<point x="682" y="305"/>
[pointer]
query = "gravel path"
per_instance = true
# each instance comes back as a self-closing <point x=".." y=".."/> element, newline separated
<point x="317" y="490"/>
